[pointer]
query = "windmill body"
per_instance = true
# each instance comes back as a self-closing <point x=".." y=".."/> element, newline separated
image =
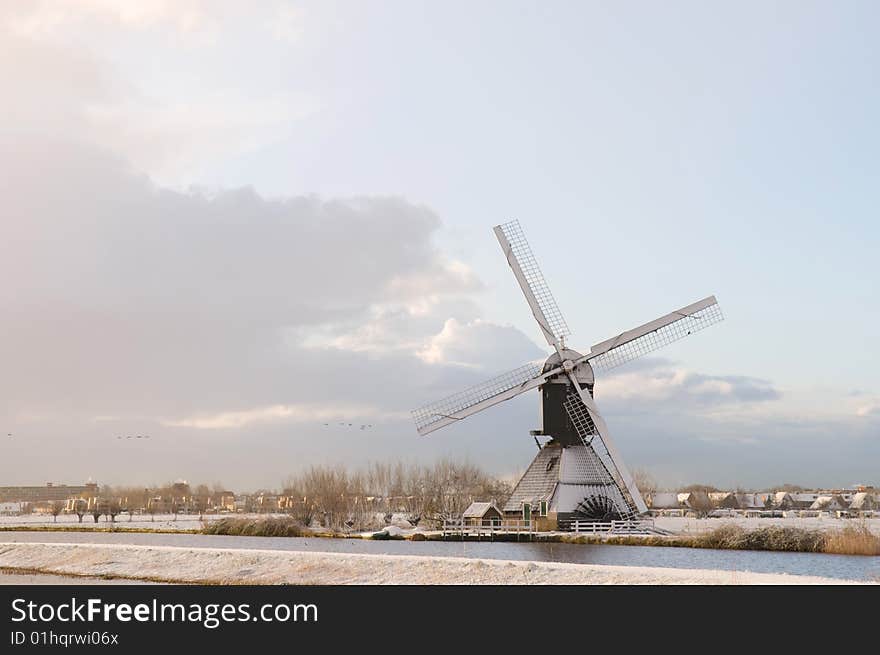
<point x="578" y="473"/>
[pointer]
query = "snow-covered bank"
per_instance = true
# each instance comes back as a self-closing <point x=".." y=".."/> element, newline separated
<point x="192" y="523"/>
<point x="165" y="522"/>
<point x="234" y="566"/>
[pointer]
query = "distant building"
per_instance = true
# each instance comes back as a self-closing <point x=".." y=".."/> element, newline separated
<point x="10" y="509"/>
<point x="180" y="490"/>
<point x="664" y="500"/>
<point x="863" y="502"/>
<point x="782" y="500"/>
<point x="829" y="504"/>
<point x="697" y="500"/>
<point x="723" y="500"/>
<point x="755" y="501"/>
<point x="48" y="493"/>
<point x="803" y="500"/>
<point x="226" y="501"/>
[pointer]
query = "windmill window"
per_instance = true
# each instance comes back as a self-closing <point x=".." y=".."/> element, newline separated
<point x="552" y="463"/>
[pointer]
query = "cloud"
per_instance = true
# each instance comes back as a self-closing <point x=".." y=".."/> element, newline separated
<point x="287" y="23"/>
<point x="228" y="326"/>
<point x="61" y="90"/>
<point x="49" y="17"/>
<point x="479" y="344"/>
<point x="302" y="413"/>
<point x="658" y="384"/>
<point x="871" y="409"/>
<point x="111" y="279"/>
<point x="187" y="316"/>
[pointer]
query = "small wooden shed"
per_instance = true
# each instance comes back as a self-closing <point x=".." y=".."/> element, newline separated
<point x="484" y="514"/>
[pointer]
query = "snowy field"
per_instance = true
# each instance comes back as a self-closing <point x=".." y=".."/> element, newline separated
<point x="228" y="566"/>
<point x="137" y="521"/>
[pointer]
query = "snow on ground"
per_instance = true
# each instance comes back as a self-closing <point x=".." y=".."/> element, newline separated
<point x="43" y="579"/>
<point x="138" y="521"/>
<point x="236" y="566"/>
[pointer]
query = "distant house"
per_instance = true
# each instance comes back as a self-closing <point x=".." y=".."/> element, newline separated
<point x="10" y="509"/>
<point x="664" y="500"/>
<point x="863" y="502"/>
<point x="802" y="500"/>
<point x="829" y="504"/>
<point x="782" y="500"/>
<point x="723" y="500"/>
<point x="482" y="514"/>
<point x="758" y="501"/>
<point x="698" y="500"/>
<point x="225" y="501"/>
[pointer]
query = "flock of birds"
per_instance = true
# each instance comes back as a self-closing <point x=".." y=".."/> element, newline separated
<point x="130" y="436"/>
<point x="364" y="426"/>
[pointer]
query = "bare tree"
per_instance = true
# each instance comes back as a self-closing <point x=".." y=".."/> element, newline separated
<point x="112" y="508"/>
<point x="421" y="493"/>
<point x="645" y="482"/>
<point x="80" y="507"/>
<point x="55" y="508"/>
<point x="151" y="508"/>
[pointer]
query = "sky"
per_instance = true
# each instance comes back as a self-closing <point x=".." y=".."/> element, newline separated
<point x="225" y="226"/>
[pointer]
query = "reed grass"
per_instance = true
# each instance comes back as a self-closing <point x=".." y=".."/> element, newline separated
<point x="264" y="527"/>
<point x="853" y="540"/>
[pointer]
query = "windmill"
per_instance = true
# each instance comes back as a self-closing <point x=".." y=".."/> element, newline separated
<point x="578" y="474"/>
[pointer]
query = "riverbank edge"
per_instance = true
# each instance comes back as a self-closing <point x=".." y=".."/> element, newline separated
<point x="670" y="541"/>
<point x="271" y="567"/>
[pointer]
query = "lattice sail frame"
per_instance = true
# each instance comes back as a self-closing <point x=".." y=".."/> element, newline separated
<point x="447" y="407"/>
<point x="589" y="434"/>
<point x="522" y="251"/>
<point x="627" y="351"/>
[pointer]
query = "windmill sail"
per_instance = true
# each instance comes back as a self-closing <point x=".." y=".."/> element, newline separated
<point x="632" y="344"/>
<point x="531" y="281"/>
<point x="612" y="480"/>
<point x="454" y="408"/>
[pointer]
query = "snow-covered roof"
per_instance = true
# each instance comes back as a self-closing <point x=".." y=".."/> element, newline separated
<point x="753" y="501"/>
<point x="862" y="500"/>
<point x="665" y="500"/>
<point x="478" y="510"/>
<point x="828" y="503"/>
<point x="693" y="499"/>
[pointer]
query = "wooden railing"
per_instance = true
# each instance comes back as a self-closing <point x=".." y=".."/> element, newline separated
<point x="462" y="527"/>
<point x="600" y="527"/>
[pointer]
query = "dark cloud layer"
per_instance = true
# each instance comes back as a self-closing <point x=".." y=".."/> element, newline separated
<point x="128" y="307"/>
